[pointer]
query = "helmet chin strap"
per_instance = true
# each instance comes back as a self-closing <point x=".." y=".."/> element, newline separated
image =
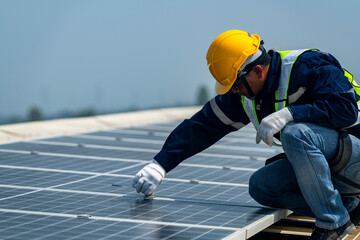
<point x="251" y="93"/>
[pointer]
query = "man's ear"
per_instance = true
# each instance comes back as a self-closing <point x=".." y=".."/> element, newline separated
<point x="258" y="70"/>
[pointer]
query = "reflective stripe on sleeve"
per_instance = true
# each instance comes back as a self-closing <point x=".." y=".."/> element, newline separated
<point x="295" y="96"/>
<point x="222" y="117"/>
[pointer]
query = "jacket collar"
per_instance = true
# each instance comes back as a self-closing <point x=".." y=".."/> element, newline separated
<point x="272" y="79"/>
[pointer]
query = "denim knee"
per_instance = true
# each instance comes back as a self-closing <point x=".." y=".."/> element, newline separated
<point x="297" y="137"/>
<point x="293" y="130"/>
<point x="294" y="133"/>
<point x="260" y="191"/>
<point x="255" y="191"/>
<point x="269" y="184"/>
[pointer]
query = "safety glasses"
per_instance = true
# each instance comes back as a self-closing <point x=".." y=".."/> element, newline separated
<point x="239" y="80"/>
<point x="242" y="80"/>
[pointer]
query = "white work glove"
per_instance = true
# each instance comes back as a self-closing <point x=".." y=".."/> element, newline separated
<point x="148" y="178"/>
<point x="272" y="124"/>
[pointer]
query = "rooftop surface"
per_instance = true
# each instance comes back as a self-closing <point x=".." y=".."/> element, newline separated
<point x="70" y="179"/>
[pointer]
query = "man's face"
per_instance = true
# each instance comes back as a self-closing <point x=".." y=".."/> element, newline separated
<point x="240" y="89"/>
<point x="255" y="78"/>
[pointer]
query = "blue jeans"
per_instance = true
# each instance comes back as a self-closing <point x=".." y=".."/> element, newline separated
<point x="302" y="182"/>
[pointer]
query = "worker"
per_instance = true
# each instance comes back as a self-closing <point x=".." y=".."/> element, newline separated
<point x="302" y="100"/>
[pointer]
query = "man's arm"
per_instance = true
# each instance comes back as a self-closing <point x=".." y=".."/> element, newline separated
<point x="218" y="117"/>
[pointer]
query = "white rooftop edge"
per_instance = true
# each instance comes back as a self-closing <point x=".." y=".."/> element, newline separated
<point x="58" y="127"/>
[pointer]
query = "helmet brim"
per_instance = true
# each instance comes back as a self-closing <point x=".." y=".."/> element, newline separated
<point x="221" y="89"/>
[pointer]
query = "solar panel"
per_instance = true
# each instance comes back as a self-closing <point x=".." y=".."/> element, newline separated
<point x="78" y="187"/>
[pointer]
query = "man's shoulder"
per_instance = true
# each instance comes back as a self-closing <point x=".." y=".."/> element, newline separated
<point x="316" y="55"/>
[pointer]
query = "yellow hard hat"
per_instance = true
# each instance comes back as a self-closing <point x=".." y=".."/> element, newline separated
<point x="227" y="54"/>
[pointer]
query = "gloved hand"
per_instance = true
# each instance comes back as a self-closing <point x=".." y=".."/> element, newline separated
<point x="148" y="178"/>
<point x="272" y="124"/>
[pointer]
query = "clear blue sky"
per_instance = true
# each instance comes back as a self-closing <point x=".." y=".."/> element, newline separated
<point x="112" y="54"/>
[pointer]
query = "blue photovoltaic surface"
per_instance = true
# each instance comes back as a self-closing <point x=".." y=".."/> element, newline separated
<point x="78" y="187"/>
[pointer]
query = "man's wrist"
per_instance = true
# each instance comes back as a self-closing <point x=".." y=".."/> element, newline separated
<point x="289" y="114"/>
<point x="159" y="168"/>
